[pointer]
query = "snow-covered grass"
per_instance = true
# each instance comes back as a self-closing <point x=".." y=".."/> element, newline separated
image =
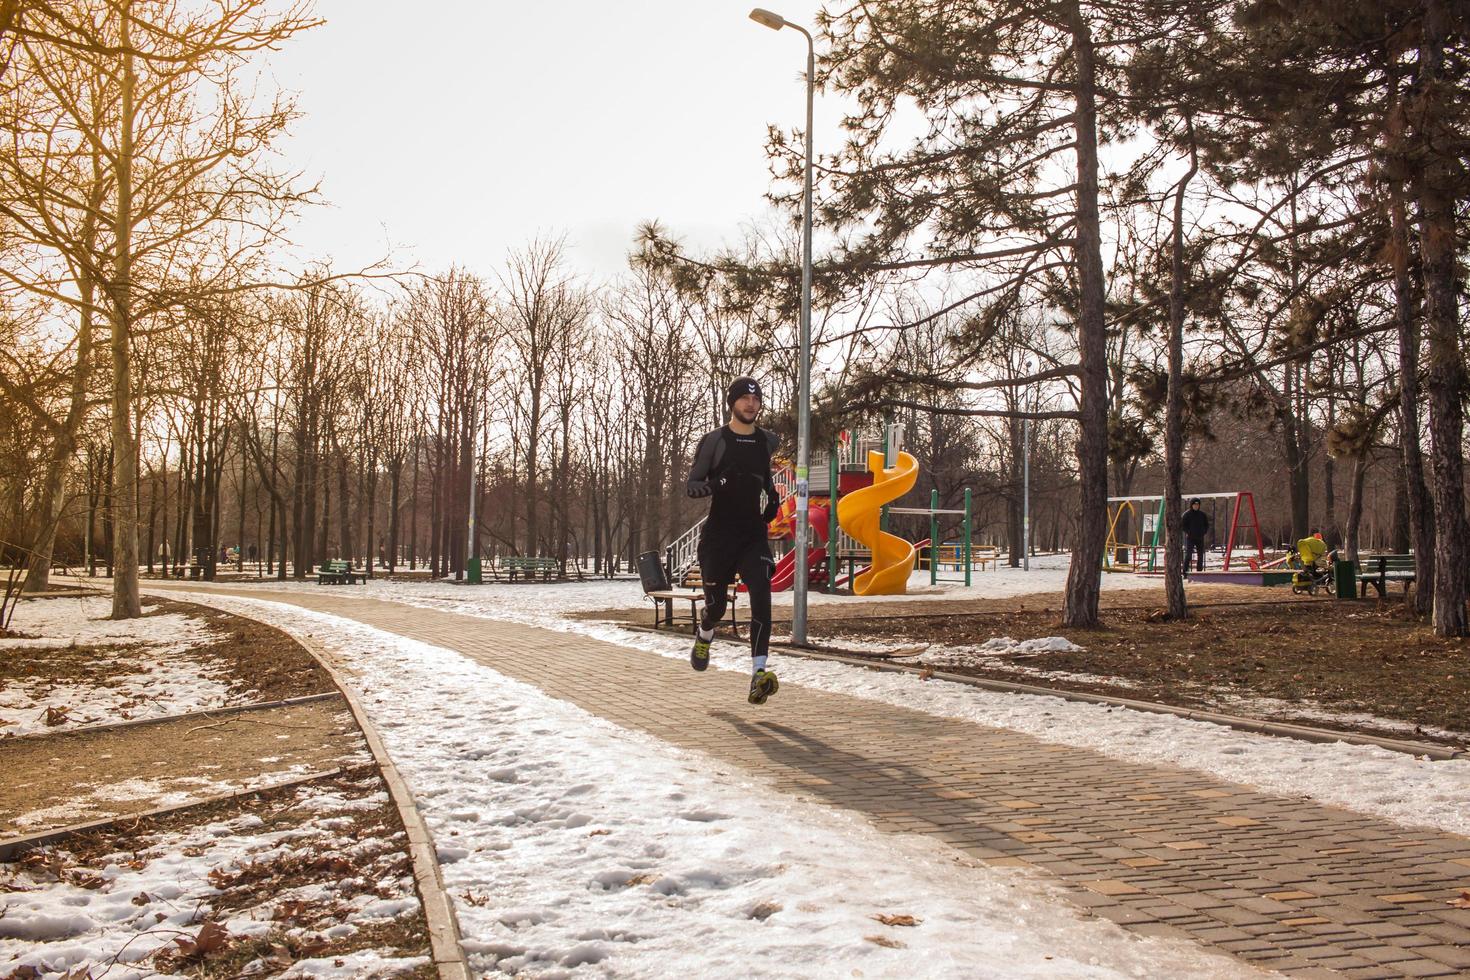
<point x="108" y="917"/>
<point x="138" y="668"/>
<point x="1001" y="651"/>
<point x="574" y="847"/>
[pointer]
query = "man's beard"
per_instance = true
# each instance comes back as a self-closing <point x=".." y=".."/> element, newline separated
<point x="748" y="418"/>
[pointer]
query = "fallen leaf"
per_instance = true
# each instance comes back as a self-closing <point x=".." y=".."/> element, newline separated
<point x="599" y="833"/>
<point x="898" y="920"/>
<point x="141" y="898"/>
<point x="289" y="909"/>
<point x="212" y="936"/>
<point x="764" y="911"/>
<point x="56" y="716"/>
<point x="884" y="941"/>
<point x="1463" y="902"/>
<point x="643" y="879"/>
<point x="926" y="673"/>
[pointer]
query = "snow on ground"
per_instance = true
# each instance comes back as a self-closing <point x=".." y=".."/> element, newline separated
<point x="1370" y="780"/>
<point x="1408" y="790"/>
<point x="999" y="651"/>
<point x="575" y="847"/>
<point x="110" y="920"/>
<point x="142" y="670"/>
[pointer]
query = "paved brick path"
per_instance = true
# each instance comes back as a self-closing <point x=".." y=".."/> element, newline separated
<point x="1283" y="883"/>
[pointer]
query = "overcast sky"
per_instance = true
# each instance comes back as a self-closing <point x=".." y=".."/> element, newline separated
<point x="456" y="131"/>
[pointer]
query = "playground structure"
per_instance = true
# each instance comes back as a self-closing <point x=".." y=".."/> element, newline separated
<point x="860" y="515"/>
<point x="1144" y="534"/>
<point x="847" y="474"/>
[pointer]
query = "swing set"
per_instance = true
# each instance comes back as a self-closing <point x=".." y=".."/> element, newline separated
<point x="1144" y="530"/>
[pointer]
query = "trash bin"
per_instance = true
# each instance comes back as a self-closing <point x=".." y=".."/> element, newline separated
<point x="1345" y="577"/>
<point x="651" y="572"/>
<point x="472" y="572"/>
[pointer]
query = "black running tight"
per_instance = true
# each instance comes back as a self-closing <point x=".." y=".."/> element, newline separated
<point x="754" y="565"/>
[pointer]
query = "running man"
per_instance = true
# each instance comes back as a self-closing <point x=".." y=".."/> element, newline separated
<point x="732" y="466"/>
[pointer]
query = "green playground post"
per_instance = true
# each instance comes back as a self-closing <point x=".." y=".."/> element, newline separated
<point x="1153" y="549"/>
<point x="967" y="537"/>
<point x="933" y="533"/>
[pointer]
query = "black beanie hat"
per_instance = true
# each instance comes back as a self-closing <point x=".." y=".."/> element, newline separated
<point x="1194" y="501"/>
<point x="741" y="387"/>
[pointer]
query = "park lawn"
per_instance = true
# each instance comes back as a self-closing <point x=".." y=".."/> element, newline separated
<point x="1360" y="666"/>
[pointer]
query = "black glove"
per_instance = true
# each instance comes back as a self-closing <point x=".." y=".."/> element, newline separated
<point x="773" y="507"/>
<point x="699" y="488"/>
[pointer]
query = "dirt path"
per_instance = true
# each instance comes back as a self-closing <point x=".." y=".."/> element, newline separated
<point x="67" y="778"/>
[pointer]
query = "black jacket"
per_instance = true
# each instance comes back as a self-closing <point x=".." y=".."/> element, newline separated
<point x="734" y="470"/>
<point x="1196" y="524"/>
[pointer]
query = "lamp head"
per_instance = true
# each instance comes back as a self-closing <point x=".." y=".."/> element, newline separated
<point x="767" y="19"/>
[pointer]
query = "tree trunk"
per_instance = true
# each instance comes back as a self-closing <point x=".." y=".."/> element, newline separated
<point x="394" y="480"/>
<point x="64" y="446"/>
<point x="298" y="502"/>
<point x="240" y="526"/>
<point x="1015" y="518"/>
<point x="1355" y="506"/>
<point x="1174" y="406"/>
<point x="413" y="520"/>
<point x="533" y="438"/>
<point x="1420" y="536"/>
<point x="344" y="510"/>
<point x="1084" y="575"/>
<point x="152" y="520"/>
<point x="126" y="603"/>
<point x="322" y="530"/>
<point x="1445" y="374"/>
<point x="1399" y="532"/>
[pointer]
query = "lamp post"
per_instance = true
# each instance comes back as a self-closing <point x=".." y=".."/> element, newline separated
<point x="804" y="343"/>
<point x="1026" y="490"/>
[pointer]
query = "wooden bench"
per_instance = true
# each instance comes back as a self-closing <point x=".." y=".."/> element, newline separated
<point x="338" y="572"/>
<point x="667" y="597"/>
<point x="985" y="554"/>
<point x="656" y="587"/>
<point x="527" y="566"/>
<point x="1379" y="570"/>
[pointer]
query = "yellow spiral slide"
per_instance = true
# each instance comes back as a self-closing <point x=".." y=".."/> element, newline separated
<point x="893" y="557"/>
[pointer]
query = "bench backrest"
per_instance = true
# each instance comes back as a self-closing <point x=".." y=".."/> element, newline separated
<point x="1388" y="563"/>
<point x="336" y="566"/>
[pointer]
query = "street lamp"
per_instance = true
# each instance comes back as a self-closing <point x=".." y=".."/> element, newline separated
<point x="1026" y="489"/>
<point x="804" y="343"/>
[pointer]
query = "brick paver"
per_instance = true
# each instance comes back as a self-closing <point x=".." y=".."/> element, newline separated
<point x="1282" y="883"/>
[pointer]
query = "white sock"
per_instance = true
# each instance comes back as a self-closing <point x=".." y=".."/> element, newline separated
<point x="758" y="664"/>
<point x="706" y="635"/>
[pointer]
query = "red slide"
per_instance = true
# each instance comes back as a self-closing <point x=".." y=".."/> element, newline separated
<point x="785" y="573"/>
